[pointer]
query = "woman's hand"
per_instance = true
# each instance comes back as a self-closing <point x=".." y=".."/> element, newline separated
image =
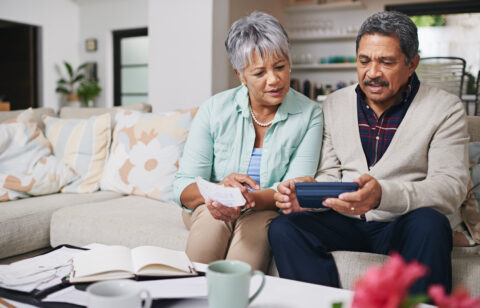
<point x="286" y="198"/>
<point x="222" y="212"/>
<point x="243" y="182"/>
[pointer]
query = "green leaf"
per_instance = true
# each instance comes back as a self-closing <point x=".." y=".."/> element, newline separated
<point x="62" y="81"/>
<point x="78" y="78"/>
<point x="337" y="305"/>
<point x="61" y="90"/>
<point x="69" y="69"/>
<point x="414" y="300"/>
<point x="81" y="67"/>
<point x="89" y="90"/>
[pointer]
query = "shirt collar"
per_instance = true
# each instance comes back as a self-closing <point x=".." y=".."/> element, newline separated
<point x="408" y="93"/>
<point x="288" y="106"/>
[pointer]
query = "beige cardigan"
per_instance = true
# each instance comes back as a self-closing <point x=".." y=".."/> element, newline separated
<point x="426" y="164"/>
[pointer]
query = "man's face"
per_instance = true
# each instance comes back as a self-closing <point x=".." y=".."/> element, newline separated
<point x="381" y="68"/>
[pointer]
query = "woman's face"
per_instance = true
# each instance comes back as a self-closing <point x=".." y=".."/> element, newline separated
<point x="268" y="81"/>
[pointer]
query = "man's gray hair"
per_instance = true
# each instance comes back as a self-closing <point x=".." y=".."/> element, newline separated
<point x="393" y="24"/>
<point x="259" y="32"/>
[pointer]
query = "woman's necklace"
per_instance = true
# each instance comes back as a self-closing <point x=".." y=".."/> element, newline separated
<point x="257" y="121"/>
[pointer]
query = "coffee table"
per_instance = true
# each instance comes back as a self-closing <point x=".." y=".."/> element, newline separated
<point x="278" y="293"/>
<point x="282" y="293"/>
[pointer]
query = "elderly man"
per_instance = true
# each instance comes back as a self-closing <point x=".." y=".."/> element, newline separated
<point x="404" y="143"/>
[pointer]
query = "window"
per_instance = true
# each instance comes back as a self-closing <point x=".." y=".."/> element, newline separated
<point x="448" y="29"/>
<point x="130" y="58"/>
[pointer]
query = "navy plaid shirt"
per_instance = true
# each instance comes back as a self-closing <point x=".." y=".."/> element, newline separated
<point x="377" y="133"/>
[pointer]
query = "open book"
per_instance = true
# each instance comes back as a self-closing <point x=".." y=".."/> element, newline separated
<point x="116" y="262"/>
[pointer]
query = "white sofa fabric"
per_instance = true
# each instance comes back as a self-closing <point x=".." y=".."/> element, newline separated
<point x="111" y="218"/>
<point x="25" y="223"/>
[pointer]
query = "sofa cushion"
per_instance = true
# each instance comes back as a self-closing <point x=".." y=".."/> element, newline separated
<point x="25" y="223"/>
<point x="38" y="113"/>
<point x="84" y="113"/>
<point x="145" y="152"/>
<point x="129" y="221"/>
<point x="465" y="267"/>
<point x="83" y="145"/>
<point x="27" y="166"/>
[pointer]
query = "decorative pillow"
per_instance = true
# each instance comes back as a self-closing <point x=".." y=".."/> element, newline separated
<point x="82" y="144"/>
<point x="26" y="164"/>
<point x="145" y="152"/>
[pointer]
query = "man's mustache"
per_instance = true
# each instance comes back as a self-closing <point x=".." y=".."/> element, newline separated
<point x="375" y="82"/>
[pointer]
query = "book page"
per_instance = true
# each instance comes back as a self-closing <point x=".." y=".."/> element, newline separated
<point x="102" y="260"/>
<point x="152" y="261"/>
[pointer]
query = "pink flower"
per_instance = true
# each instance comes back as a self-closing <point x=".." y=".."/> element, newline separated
<point x="459" y="299"/>
<point x="388" y="285"/>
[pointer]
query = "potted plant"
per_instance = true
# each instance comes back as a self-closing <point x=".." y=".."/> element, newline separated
<point x="88" y="90"/>
<point x="67" y="85"/>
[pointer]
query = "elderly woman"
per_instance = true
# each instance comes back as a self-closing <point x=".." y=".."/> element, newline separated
<point x="251" y="137"/>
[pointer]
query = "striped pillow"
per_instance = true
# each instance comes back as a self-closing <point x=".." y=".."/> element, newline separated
<point x="83" y="146"/>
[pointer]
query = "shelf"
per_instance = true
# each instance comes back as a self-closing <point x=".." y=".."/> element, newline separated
<point x="330" y="37"/>
<point x="334" y="6"/>
<point x="326" y="66"/>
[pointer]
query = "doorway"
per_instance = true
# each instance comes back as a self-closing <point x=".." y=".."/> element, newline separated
<point x="130" y="66"/>
<point x="18" y="65"/>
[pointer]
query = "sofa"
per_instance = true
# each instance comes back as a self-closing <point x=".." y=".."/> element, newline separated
<point x="32" y="225"/>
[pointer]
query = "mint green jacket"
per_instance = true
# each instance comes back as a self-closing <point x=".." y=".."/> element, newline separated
<point x="222" y="137"/>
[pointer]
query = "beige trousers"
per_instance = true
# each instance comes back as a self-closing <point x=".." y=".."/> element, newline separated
<point x="246" y="239"/>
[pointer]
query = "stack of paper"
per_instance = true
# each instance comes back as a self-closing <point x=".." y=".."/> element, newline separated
<point x="39" y="273"/>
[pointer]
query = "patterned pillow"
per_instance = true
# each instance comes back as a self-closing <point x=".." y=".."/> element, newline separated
<point x="27" y="166"/>
<point x="82" y="144"/>
<point x="145" y="152"/>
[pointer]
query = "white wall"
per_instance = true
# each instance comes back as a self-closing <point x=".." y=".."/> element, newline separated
<point x="98" y="19"/>
<point x="181" y="53"/>
<point x="59" y="36"/>
<point x="221" y="64"/>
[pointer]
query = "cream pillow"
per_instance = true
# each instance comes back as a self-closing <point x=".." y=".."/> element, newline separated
<point x="27" y="166"/>
<point x="145" y="152"/>
<point x="82" y="144"/>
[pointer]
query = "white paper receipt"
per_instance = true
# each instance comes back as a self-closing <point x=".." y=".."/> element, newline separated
<point x="228" y="196"/>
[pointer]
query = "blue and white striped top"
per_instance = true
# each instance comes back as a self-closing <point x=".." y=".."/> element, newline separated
<point x="254" y="166"/>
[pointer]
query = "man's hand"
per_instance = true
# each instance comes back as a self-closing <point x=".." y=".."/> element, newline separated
<point x="222" y="212"/>
<point x="286" y="198"/>
<point x="243" y="182"/>
<point x="359" y="202"/>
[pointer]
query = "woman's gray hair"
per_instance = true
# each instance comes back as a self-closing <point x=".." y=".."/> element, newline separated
<point x="393" y="24"/>
<point x="259" y="32"/>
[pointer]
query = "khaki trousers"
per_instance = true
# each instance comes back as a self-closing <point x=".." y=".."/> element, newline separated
<point x="246" y="239"/>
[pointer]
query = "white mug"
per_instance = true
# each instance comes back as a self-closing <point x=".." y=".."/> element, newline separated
<point x="120" y="293"/>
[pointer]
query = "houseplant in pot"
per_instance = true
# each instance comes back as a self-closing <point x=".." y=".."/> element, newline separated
<point x="88" y="90"/>
<point x="68" y="85"/>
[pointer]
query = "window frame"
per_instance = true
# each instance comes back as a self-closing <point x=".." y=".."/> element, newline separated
<point x="436" y="8"/>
